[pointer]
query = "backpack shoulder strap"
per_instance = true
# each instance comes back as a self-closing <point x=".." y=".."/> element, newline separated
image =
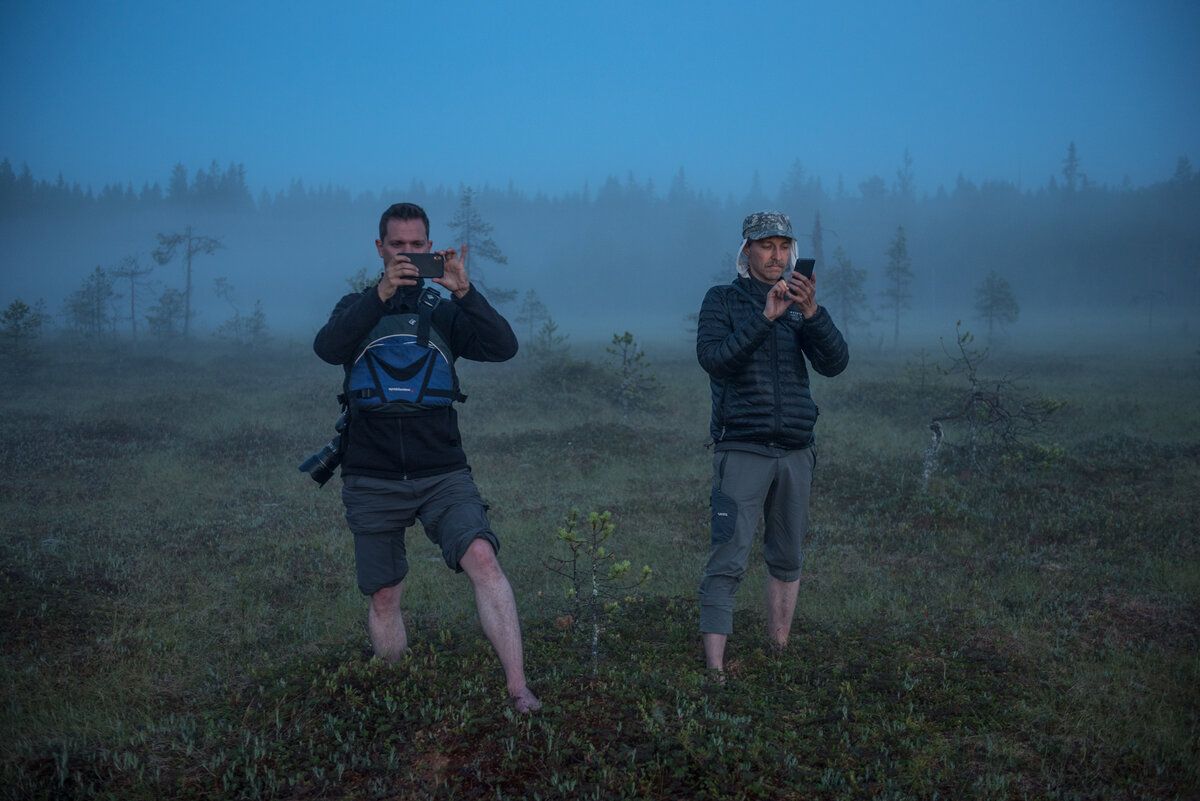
<point x="428" y="301"/>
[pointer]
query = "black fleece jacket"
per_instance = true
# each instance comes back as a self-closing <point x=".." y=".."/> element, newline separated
<point x="757" y="369"/>
<point x="427" y="442"/>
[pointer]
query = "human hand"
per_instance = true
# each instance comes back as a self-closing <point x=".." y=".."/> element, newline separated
<point x="777" y="301"/>
<point x="398" y="272"/>
<point x="454" y="276"/>
<point x="802" y="291"/>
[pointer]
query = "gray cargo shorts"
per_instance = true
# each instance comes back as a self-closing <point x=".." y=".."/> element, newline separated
<point x="379" y="510"/>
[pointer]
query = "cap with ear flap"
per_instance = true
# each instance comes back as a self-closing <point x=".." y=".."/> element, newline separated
<point x="760" y="225"/>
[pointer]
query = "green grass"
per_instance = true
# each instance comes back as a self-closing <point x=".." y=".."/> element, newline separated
<point x="180" y="617"/>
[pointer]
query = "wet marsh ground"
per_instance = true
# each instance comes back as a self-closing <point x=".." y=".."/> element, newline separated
<point x="180" y="617"/>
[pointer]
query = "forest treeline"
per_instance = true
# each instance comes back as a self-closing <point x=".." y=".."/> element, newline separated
<point x="1068" y="246"/>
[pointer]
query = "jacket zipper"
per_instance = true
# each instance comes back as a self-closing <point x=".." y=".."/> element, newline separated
<point x="775" y="381"/>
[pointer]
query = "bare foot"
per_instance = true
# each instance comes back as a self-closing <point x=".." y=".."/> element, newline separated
<point x="525" y="701"/>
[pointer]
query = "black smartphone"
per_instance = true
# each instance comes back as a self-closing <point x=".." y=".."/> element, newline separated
<point x="805" y="267"/>
<point x="429" y="265"/>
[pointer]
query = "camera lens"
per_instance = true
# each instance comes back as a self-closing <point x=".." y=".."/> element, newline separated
<point x="322" y="463"/>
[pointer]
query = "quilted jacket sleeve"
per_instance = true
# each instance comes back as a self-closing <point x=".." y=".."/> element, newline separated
<point x="823" y="344"/>
<point x="725" y="346"/>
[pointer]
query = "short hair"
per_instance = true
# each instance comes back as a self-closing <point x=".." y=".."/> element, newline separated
<point x="402" y="211"/>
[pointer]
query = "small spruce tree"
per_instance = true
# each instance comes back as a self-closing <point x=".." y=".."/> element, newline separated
<point x="996" y="303"/>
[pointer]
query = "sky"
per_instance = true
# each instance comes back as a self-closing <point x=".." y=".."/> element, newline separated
<point x="551" y="97"/>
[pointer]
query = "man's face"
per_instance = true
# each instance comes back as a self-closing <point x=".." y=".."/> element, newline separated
<point x="403" y="236"/>
<point x="768" y="258"/>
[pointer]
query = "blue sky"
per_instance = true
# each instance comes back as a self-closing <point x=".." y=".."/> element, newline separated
<point x="552" y="95"/>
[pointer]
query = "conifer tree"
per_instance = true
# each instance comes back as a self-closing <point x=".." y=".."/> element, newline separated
<point x="818" y="243"/>
<point x="130" y="270"/>
<point x="842" y="288"/>
<point x="20" y="325"/>
<point x="166" y="316"/>
<point x="899" y="278"/>
<point x="995" y="302"/>
<point x="190" y="245"/>
<point x="532" y="312"/>
<point x="471" y="230"/>
<point x="1071" y="174"/>
<point x="89" y="308"/>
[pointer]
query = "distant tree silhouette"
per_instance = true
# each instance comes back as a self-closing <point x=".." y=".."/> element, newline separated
<point x="221" y="189"/>
<point x="166" y="318"/>
<point x="756" y="198"/>
<point x="842" y="287"/>
<point x="189" y="245"/>
<point x="1058" y="251"/>
<point x="899" y="277"/>
<point x="873" y="190"/>
<point x="130" y="270"/>
<point x="1072" y="175"/>
<point x="213" y="188"/>
<point x="471" y="230"/>
<point x="1183" y="171"/>
<point x="549" y="345"/>
<point x="792" y="192"/>
<point x="678" y="191"/>
<point x="532" y="312"/>
<point x="241" y="329"/>
<point x="152" y="195"/>
<point x="995" y="302"/>
<point x="89" y="309"/>
<point x="24" y="185"/>
<point x="818" y="243"/>
<point x="177" y="185"/>
<point x="16" y="191"/>
<point x="8" y="180"/>
<point x="721" y="275"/>
<point x="20" y="326"/>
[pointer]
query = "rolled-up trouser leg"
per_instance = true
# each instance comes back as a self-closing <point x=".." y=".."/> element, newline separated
<point x="785" y="516"/>
<point x="740" y="485"/>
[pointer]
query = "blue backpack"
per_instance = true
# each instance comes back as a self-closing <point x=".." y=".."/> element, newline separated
<point x="404" y="364"/>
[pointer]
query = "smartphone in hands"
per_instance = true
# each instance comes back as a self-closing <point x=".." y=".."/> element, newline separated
<point x="429" y="265"/>
<point x="805" y="267"/>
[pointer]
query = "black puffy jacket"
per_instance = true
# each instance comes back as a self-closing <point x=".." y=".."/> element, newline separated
<point x="757" y="367"/>
<point x="423" y="443"/>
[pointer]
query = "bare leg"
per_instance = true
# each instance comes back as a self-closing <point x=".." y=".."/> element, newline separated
<point x="385" y="624"/>
<point x="714" y="650"/>
<point x="781" y="606"/>
<point x="498" y="616"/>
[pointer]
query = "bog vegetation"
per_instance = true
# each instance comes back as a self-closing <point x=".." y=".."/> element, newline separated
<point x="989" y="613"/>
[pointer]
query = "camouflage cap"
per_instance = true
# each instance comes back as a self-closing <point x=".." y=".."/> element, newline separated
<point x="762" y="224"/>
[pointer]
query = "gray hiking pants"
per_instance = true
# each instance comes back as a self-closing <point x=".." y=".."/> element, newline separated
<point x="746" y="487"/>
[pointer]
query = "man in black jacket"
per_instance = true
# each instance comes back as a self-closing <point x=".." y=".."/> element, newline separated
<point x="753" y="338"/>
<point x="403" y="461"/>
